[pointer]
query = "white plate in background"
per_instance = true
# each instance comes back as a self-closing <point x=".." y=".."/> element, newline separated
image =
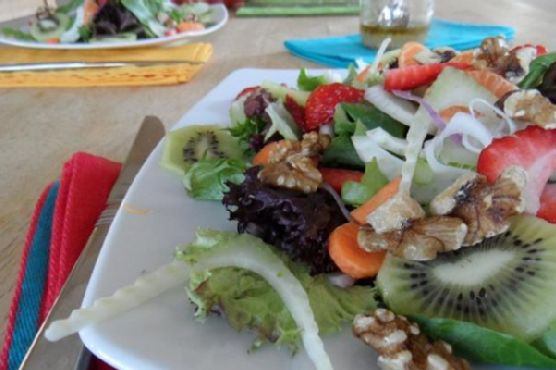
<point x="219" y="19"/>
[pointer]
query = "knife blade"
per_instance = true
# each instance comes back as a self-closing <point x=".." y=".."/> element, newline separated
<point x="18" y="67"/>
<point x="64" y="354"/>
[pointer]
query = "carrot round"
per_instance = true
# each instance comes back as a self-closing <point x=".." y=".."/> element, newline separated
<point x="408" y="52"/>
<point x="336" y="177"/>
<point x="349" y="257"/>
<point x="448" y="113"/>
<point x="190" y="26"/>
<point x="493" y="82"/>
<point x="467" y="56"/>
<point x="388" y="191"/>
<point x="263" y="155"/>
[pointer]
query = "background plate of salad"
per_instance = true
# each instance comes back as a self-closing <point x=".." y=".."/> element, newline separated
<point x="107" y="24"/>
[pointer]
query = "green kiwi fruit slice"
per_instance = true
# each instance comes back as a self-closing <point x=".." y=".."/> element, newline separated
<point x="51" y="27"/>
<point x="506" y="283"/>
<point x="190" y="144"/>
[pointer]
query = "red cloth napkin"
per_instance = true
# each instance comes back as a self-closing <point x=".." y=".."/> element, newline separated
<point x="85" y="184"/>
<point x="84" y="187"/>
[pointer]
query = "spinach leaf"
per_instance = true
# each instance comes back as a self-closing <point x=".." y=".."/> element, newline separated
<point x="537" y="69"/>
<point x="547" y="342"/>
<point x="341" y="153"/>
<point x="309" y="83"/>
<point x="368" y="115"/>
<point x="17" y="34"/>
<point x="357" y="193"/>
<point x="484" y="345"/>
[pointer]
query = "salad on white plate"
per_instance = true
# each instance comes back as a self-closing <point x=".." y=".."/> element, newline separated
<point x="412" y="199"/>
<point x="114" y="23"/>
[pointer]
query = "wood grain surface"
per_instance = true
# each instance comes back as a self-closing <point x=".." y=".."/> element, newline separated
<point x="41" y="128"/>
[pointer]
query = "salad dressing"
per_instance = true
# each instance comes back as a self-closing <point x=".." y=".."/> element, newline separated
<point x="373" y="34"/>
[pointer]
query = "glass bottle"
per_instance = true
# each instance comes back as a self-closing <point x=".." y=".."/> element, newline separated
<point x="401" y="20"/>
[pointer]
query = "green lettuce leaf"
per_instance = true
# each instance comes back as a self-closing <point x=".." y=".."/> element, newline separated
<point x="309" y="83"/>
<point x="206" y="179"/>
<point x="537" y="69"/>
<point x="357" y="193"/>
<point x="484" y="345"/>
<point x="69" y="7"/>
<point x="146" y="11"/>
<point x="368" y="115"/>
<point x="249" y="302"/>
<point x="17" y="34"/>
<point x="341" y="153"/>
<point x="351" y="74"/>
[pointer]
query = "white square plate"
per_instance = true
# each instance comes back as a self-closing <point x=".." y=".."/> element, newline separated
<point x="163" y="333"/>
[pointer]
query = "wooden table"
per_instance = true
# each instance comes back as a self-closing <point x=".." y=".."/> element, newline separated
<point x="41" y="128"/>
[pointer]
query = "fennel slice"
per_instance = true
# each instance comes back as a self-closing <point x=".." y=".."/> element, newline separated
<point x="146" y="287"/>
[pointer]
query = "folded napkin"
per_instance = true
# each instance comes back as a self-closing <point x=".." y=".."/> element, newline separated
<point x="183" y="63"/>
<point x="339" y="52"/>
<point x="64" y="217"/>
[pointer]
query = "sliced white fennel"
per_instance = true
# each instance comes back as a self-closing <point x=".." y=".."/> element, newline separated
<point x="399" y="109"/>
<point x="146" y="287"/>
<point x="262" y="261"/>
<point x="368" y="149"/>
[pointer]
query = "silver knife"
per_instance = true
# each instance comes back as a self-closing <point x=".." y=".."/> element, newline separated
<point x="18" y="67"/>
<point x="65" y="354"/>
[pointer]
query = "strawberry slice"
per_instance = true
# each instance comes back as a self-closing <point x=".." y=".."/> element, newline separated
<point x="296" y="110"/>
<point x="540" y="49"/>
<point x="417" y="75"/>
<point x="322" y="102"/>
<point x="246" y="91"/>
<point x="534" y="149"/>
<point x="548" y="204"/>
<point x="336" y="177"/>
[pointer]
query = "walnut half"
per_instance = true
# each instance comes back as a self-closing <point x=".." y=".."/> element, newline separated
<point x="402" y="346"/>
<point x="419" y="240"/>
<point x="291" y="163"/>
<point x="485" y="209"/>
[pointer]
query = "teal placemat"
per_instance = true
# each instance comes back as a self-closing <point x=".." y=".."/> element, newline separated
<point x="299" y="7"/>
<point x="341" y="51"/>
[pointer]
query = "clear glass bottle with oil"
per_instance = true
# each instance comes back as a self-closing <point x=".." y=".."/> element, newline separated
<point x="401" y="20"/>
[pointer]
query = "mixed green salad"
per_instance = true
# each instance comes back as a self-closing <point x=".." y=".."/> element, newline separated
<point x="413" y="197"/>
<point x="112" y="20"/>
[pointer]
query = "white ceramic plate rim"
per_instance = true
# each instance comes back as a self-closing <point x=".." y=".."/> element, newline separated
<point x="220" y="14"/>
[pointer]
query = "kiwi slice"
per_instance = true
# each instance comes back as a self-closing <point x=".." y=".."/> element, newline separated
<point x="506" y="283"/>
<point x="50" y="27"/>
<point x="190" y="144"/>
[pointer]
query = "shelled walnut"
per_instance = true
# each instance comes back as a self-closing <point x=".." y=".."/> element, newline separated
<point x="530" y="107"/>
<point x="291" y="163"/>
<point x="419" y="240"/>
<point x="402" y="346"/>
<point x="486" y="209"/>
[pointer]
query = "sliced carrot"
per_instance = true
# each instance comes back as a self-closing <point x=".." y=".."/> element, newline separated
<point x="349" y="256"/>
<point x="336" y="177"/>
<point x="494" y="83"/>
<point x="90" y="9"/>
<point x="448" y="113"/>
<point x="408" y="52"/>
<point x="190" y="26"/>
<point x="361" y="76"/>
<point x="360" y="214"/>
<point x="467" y="56"/>
<point x="263" y="155"/>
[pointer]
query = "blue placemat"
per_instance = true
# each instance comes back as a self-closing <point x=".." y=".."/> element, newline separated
<point x="341" y="51"/>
